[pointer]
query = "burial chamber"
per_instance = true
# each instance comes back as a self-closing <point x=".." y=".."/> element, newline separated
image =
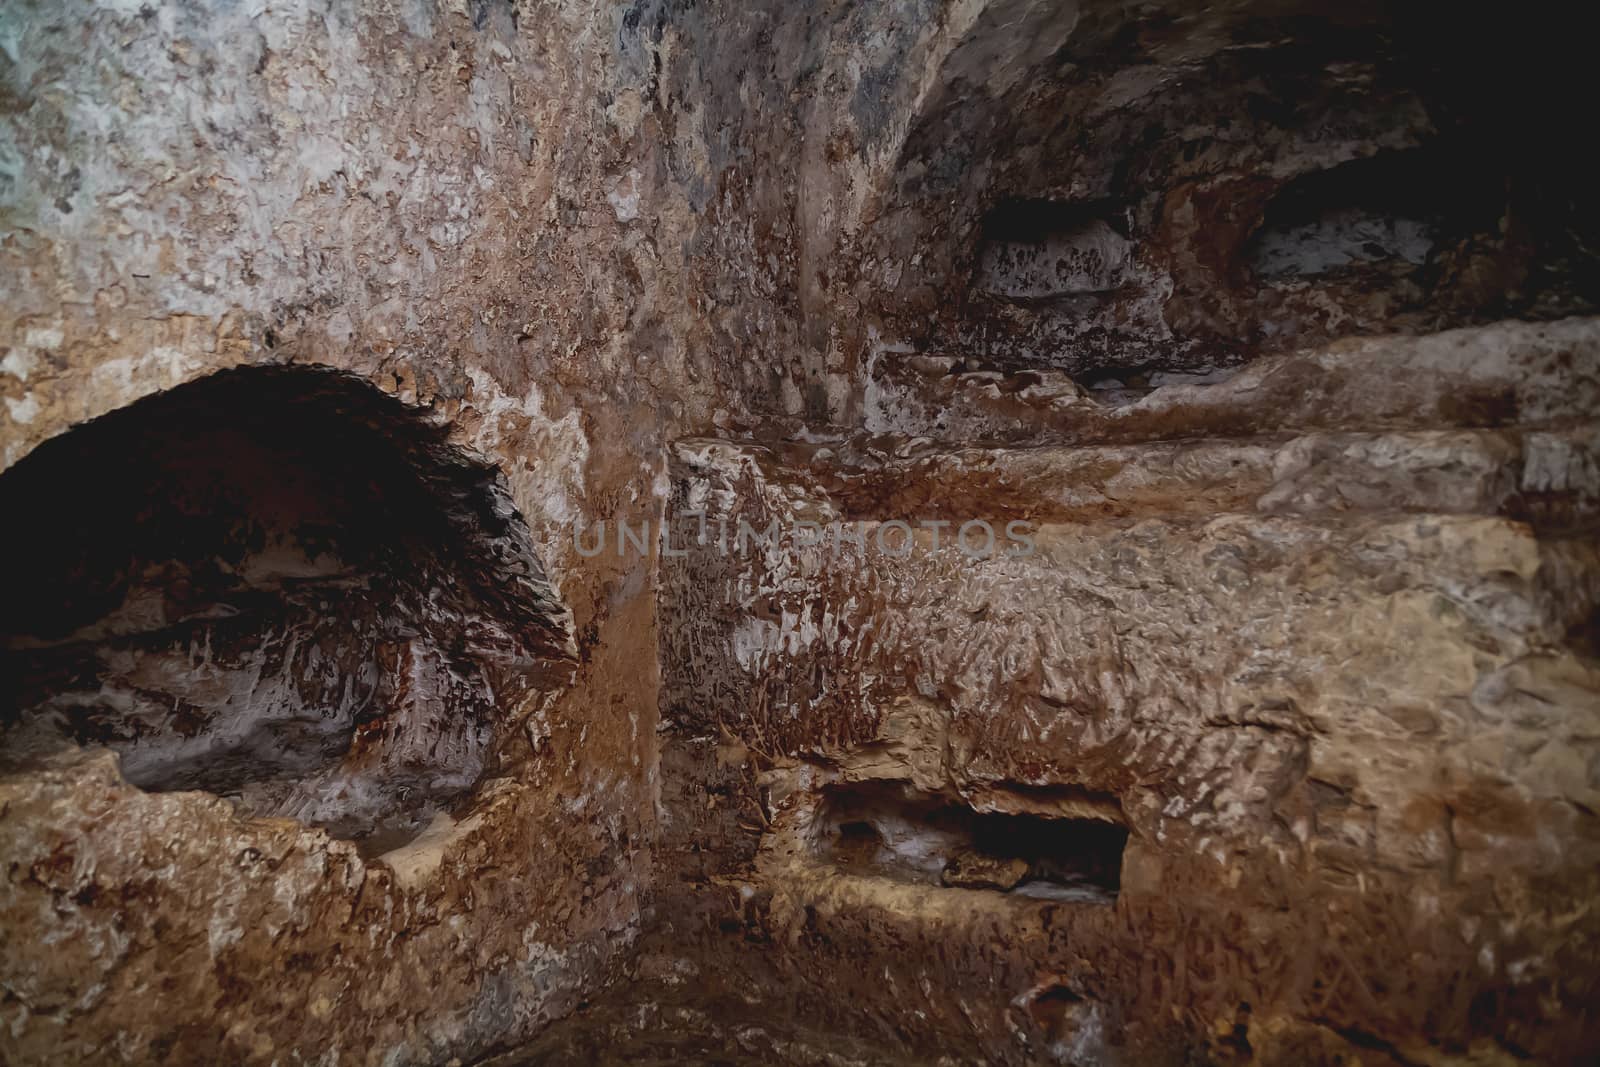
<point x="278" y="586"/>
<point x="488" y="492"/>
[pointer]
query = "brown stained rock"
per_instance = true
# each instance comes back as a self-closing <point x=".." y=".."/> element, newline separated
<point x="1198" y="671"/>
<point x="216" y="187"/>
<point x="974" y="870"/>
<point x="1489" y="377"/>
<point x="1273" y="322"/>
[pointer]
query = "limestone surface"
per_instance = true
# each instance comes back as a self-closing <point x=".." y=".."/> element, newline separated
<point x="890" y="532"/>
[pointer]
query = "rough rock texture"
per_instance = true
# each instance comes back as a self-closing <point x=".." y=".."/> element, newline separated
<point x="1259" y="332"/>
<point x="1323" y="680"/>
<point x="415" y="194"/>
<point x="273" y="584"/>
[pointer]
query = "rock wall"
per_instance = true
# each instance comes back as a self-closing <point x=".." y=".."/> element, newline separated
<point x="456" y="204"/>
<point x="1301" y="670"/>
<point x="1270" y="323"/>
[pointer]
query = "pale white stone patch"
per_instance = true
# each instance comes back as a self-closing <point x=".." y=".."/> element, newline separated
<point x="19" y="363"/>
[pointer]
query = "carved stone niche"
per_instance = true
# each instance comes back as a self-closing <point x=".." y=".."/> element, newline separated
<point x="278" y="585"/>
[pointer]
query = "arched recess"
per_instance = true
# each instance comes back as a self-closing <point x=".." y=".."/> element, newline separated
<point x="278" y="585"/>
<point x="1177" y="189"/>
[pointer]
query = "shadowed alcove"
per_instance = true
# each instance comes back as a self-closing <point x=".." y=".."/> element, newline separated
<point x="278" y="585"/>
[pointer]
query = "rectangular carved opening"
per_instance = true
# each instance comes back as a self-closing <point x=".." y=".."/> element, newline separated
<point x="883" y="829"/>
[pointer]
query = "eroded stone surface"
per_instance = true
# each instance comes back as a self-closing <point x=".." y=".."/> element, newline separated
<point x="280" y="586"/>
<point x="401" y="192"/>
<point x="1306" y="443"/>
<point x="1291" y="689"/>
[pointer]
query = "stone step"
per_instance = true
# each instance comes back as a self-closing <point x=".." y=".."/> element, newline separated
<point x="1548" y="477"/>
<point x="1507" y="374"/>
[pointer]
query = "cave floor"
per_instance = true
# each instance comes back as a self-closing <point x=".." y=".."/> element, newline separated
<point x="643" y="1034"/>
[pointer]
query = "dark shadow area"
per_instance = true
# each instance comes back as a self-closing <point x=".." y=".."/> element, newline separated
<point x="278" y="585"/>
<point x="1390" y="209"/>
<point x="882" y="829"/>
<point x="1136" y="214"/>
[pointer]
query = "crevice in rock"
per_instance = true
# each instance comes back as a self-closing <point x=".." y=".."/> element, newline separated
<point x="1386" y="211"/>
<point x="886" y="830"/>
<point x="277" y="585"/>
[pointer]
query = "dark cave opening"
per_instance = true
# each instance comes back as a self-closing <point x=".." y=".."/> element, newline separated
<point x="1389" y="209"/>
<point x="278" y="585"/>
<point x="882" y="829"/>
<point x="1042" y="250"/>
<point x="1287" y="190"/>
